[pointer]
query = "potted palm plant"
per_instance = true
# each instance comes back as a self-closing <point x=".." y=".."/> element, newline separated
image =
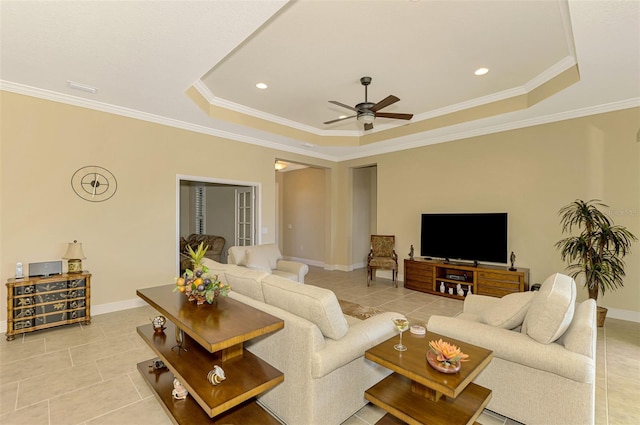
<point x="597" y="251"/>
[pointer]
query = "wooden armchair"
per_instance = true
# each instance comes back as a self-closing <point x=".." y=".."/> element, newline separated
<point x="382" y="256"/>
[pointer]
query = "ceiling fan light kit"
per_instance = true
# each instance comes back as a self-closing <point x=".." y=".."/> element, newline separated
<point x="366" y="112"/>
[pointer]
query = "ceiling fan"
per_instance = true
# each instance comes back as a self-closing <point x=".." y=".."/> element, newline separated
<point x="367" y="112"/>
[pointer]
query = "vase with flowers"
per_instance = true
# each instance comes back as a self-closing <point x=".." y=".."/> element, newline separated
<point x="197" y="283"/>
<point x="445" y="357"/>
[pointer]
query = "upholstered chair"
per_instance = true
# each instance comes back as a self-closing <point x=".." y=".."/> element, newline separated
<point x="382" y="256"/>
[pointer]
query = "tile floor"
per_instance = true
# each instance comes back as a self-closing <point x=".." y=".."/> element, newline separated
<point x="86" y="375"/>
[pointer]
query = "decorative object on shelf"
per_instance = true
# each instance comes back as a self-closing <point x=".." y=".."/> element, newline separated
<point x="459" y="290"/>
<point x="74" y="255"/>
<point x="179" y="391"/>
<point x="157" y="365"/>
<point x="469" y="290"/>
<point x="216" y="375"/>
<point x="598" y="250"/>
<point x="93" y="183"/>
<point x="442" y="287"/>
<point x="198" y="284"/>
<point x="411" y="252"/>
<point x="158" y="323"/>
<point x="445" y="357"/>
<point x="450" y="291"/>
<point x="513" y="260"/>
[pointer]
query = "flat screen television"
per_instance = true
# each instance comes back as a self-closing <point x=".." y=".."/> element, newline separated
<point x="465" y="236"/>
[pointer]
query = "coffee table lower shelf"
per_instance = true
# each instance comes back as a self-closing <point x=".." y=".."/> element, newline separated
<point x="188" y="412"/>
<point x="394" y="395"/>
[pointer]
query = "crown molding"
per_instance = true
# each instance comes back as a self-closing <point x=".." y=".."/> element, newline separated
<point x="391" y="145"/>
<point x="157" y="119"/>
<point x="398" y="145"/>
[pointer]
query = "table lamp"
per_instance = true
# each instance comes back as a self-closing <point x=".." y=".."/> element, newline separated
<point x="75" y="256"/>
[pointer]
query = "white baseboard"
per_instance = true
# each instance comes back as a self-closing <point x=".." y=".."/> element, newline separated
<point x="616" y="313"/>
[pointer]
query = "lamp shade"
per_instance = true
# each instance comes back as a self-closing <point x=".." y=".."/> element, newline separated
<point x="74" y="251"/>
<point x="366" y="117"/>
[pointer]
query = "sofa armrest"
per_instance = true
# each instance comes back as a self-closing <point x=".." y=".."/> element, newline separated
<point x="476" y="304"/>
<point x="360" y="337"/>
<point x="517" y="348"/>
<point x="299" y="269"/>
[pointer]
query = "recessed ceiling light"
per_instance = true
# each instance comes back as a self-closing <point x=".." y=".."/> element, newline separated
<point x="481" y="71"/>
<point x="82" y="87"/>
<point x="342" y="116"/>
<point x="261" y="86"/>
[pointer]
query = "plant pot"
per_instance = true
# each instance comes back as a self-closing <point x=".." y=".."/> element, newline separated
<point x="602" y="314"/>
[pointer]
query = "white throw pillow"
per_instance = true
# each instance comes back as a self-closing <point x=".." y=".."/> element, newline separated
<point x="256" y="260"/>
<point x="552" y="309"/>
<point x="508" y="312"/>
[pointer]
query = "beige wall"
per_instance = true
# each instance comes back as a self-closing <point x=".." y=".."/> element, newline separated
<point x="303" y="214"/>
<point x="130" y="240"/>
<point x="529" y="173"/>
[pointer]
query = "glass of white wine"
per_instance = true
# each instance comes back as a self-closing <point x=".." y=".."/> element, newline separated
<point x="402" y="324"/>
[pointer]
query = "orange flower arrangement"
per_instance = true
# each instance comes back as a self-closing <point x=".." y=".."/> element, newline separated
<point x="446" y="353"/>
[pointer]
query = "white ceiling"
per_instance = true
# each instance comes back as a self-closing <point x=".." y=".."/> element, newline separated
<point x="143" y="56"/>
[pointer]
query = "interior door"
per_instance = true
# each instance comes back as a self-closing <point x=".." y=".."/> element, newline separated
<point x="245" y="223"/>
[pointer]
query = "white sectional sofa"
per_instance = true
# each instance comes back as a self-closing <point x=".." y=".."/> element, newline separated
<point x="319" y="350"/>
<point x="267" y="258"/>
<point x="544" y="346"/>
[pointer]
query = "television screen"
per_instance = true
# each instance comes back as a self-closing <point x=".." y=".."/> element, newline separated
<point x="465" y="236"/>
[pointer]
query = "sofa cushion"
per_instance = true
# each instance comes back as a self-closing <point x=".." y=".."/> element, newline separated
<point x="270" y="252"/>
<point x="551" y="310"/>
<point x="247" y="282"/>
<point x="317" y="305"/>
<point x="257" y="260"/>
<point x="509" y="311"/>
<point x="218" y="269"/>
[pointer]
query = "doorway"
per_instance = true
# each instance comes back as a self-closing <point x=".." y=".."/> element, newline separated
<point x="219" y="207"/>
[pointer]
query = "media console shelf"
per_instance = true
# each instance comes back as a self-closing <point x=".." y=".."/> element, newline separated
<point x="430" y="275"/>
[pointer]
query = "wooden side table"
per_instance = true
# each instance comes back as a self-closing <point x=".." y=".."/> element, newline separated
<point x="418" y="394"/>
<point x="210" y="335"/>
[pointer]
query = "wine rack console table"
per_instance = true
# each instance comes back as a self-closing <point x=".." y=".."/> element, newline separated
<point x="35" y="303"/>
<point x="432" y="276"/>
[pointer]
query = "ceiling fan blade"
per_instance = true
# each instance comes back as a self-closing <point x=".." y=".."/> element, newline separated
<point x="389" y="100"/>
<point x="394" y="115"/>
<point x="339" y="119"/>
<point x="368" y="127"/>
<point x="343" y="105"/>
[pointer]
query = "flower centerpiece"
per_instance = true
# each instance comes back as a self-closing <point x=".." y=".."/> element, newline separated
<point x="445" y="357"/>
<point x="198" y="284"/>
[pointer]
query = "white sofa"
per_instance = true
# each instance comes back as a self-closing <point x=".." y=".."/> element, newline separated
<point x="319" y="350"/>
<point x="544" y="346"/>
<point x="267" y="258"/>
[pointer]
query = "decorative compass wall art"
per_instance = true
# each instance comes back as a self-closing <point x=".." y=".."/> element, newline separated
<point x="93" y="183"/>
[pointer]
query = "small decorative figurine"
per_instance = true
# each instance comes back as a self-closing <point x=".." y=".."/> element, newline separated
<point x="158" y="323"/>
<point x="513" y="260"/>
<point x="450" y="291"/>
<point x="442" y="287"/>
<point x="216" y="376"/>
<point x="179" y="391"/>
<point x="411" y="252"/>
<point x="469" y="291"/>
<point x="459" y="290"/>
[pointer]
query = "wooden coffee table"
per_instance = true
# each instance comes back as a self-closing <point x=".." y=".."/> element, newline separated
<point x="211" y="335"/>
<point x="418" y="394"/>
